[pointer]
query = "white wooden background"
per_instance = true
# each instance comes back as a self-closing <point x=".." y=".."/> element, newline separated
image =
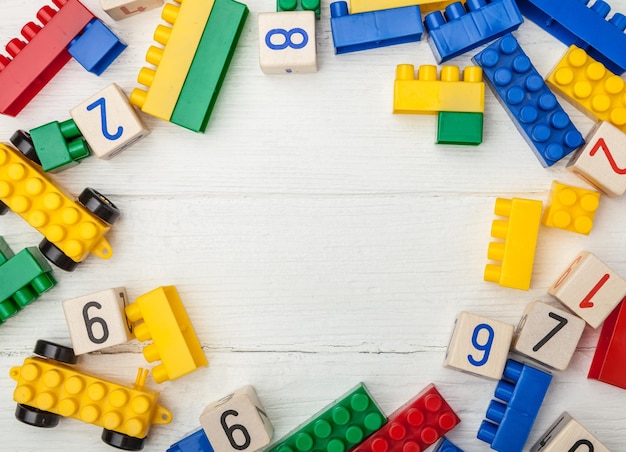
<point x="316" y="240"/>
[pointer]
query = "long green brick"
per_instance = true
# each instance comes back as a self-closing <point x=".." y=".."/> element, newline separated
<point x="210" y="64"/>
<point x="59" y="146"/>
<point x="5" y="251"/>
<point x="337" y="428"/>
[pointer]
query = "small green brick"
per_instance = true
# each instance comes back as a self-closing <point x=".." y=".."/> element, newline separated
<point x="299" y="5"/>
<point x="460" y="128"/>
<point x="337" y="428"/>
<point x="59" y="146"/>
<point x="210" y="64"/>
<point x="5" y="251"/>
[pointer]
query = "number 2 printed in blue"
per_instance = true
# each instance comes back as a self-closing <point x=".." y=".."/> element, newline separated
<point x="101" y="102"/>
<point x="482" y="347"/>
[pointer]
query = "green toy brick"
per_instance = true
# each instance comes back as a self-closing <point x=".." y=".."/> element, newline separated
<point x="210" y="64"/>
<point x="299" y="5"/>
<point x="460" y="128"/>
<point x="59" y="146"/>
<point x="5" y="251"/>
<point x="337" y="428"/>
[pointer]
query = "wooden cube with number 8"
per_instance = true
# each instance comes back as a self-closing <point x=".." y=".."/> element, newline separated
<point x="479" y="345"/>
<point x="97" y="320"/>
<point x="237" y="422"/>
<point x="548" y="334"/>
<point x="589" y="288"/>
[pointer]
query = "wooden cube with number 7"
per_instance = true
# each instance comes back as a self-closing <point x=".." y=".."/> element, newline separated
<point x="97" y="320"/>
<point x="237" y="422"/>
<point x="589" y="288"/>
<point x="479" y="345"/>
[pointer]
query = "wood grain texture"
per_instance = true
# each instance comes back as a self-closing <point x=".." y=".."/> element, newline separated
<point x="316" y="240"/>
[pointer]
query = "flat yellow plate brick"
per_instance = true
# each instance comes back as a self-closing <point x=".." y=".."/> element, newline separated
<point x="426" y="6"/>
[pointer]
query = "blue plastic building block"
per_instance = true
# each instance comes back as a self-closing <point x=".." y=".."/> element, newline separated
<point x="529" y="103"/>
<point x="196" y="441"/>
<point x="463" y="30"/>
<point x="574" y="22"/>
<point x="521" y="390"/>
<point x="445" y="445"/>
<point x="353" y="32"/>
<point x="96" y="48"/>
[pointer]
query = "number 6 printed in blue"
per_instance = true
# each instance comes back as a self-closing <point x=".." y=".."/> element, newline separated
<point x="103" y="119"/>
<point x="485" y="348"/>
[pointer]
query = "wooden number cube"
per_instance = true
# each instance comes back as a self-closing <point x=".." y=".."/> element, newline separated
<point x="287" y="42"/>
<point x="566" y="434"/>
<point x="108" y="122"/>
<point x="121" y="9"/>
<point x="479" y="345"/>
<point x="97" y="321"/>
<point x="589" y="288"/>
<point x="548" y="334"/>
<point x="237" y="422"/>
<point x="602" y="161"/>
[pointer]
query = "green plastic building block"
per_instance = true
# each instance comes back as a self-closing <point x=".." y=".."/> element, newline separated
<point x="299" y="5"/>
<point x="460" y="128"/>
<point x="59" y="146"/>
<point x="23" y="277"/>
<point x="210" y="64"/>
<point x="337" y="428"/>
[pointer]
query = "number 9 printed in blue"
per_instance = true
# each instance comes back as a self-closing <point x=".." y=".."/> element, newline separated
<point x="485" y="348"/>
<point x="288" y="38"/>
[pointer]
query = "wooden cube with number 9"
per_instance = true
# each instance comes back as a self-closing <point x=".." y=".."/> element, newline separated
<point x="237" y="422"/>
<point x="97" y="320"/>
<point x="479" y="345"/>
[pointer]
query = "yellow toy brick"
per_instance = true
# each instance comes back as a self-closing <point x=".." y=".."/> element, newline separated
<point x="517" y="253"/>
<point x="173" y="60"/>
<point x="426" y="6"/>
<point x="571" y="208"/>
<point x="27" y="191"/>
<point x="590" y="87"/>
<point x="429" y="95"/>
<point x="174" y="340"/>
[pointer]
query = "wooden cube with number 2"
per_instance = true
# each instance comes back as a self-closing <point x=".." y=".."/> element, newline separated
<point x="237" y="422"/>
<point x="589" y="288"/>
<point x="97" y="320"/>
<point x="567" y="434"/>
<point x="479" y="345"/>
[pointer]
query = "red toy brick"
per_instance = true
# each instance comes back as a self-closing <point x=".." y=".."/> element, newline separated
<point x="33" y="63"/>
<point x="608" y="361"/>
<point x="414" y="426"/>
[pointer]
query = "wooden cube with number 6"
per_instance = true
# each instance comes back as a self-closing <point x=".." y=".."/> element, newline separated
<point x="589" y="288"/>
<point x="479" y="345"/>
<point x="97" y="320"/>
<point x="237" y="422"/>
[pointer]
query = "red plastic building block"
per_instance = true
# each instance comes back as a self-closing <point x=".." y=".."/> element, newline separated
<point x="608" y="361"/>
<point x="414" y="426"/>
<point x="33" y="63"/>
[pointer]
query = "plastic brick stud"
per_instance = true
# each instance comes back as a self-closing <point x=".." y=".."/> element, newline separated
<point x="527" y="100"/>
<point x="445" y="445"/>
<point x="121" y="9"/>
<point x="608" y="361"/>
<point x="414" y="426"/>
<point x="566" y="433"/>
<point x="459" y="128"/>
<point x="470" y="25"/>
<point x="299" y="5"/>
<point x="160" y="316"/>
<point x="354" y="32"/>
<point x="520" y="394"/>
<point x="516" y="253"/>
<point x="589" y="288"/>
<point x="196" y="441"/>
<point x="426" y="6"/>
<point x="341" y="425"/>
<point x="571" y="208"/>
<point x="59" y="146"/>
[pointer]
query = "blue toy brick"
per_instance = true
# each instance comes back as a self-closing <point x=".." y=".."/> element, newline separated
<point x="521" y="391"/>
<point x="362" y="31"/>
<point x="465" y="29"/>
<point x="445" y="445"/>
<point x="529" y="103"/>
<point x="574" y="22"/>
<point x="96" y="48"/>
<point x="196" y="441"/>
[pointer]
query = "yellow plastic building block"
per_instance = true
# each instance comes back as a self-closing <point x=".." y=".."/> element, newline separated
<point x="174" y="340"/>
<point x="50" y="386"/>
<point x="428" y="95"/>
<point x="517" y="252"/>
<point x="590" y="87"/>
<point x="27" y="191"/>
<point x="571" y="208"/>
<point x="426" y="6"/>
<point x="174" y="60"/>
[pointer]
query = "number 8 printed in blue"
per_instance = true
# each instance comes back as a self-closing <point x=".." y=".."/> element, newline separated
<point x="287" y="34"/>
<point x="486" y="347"/>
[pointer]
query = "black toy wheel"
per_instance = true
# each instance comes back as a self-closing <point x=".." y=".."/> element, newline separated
<point x="36" y="418"/>
<point x="3" y="208"/>
<point x="122" y="441"/>
<point x="99" y="205"/>
<point x="56" y="256"/>
<point x="22" y="141"/>
<point x="54" y="351"/>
